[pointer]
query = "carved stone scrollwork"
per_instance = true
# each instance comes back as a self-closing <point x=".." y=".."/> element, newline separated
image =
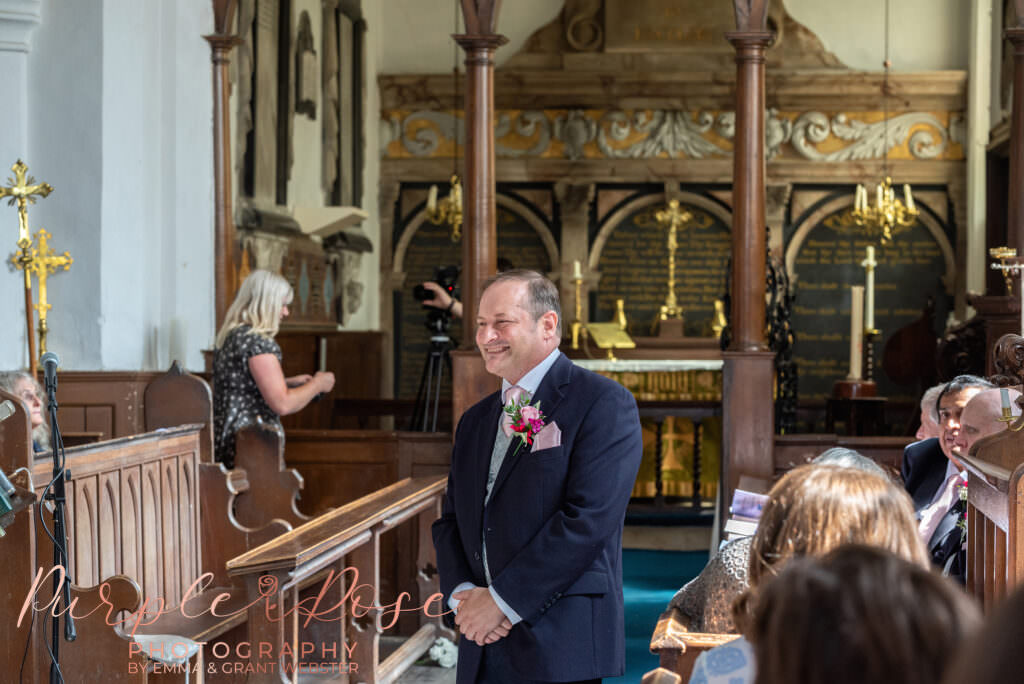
<point x="671" y="132"/>
<point x="575" y="130"/>
<point x="870" y="139"/>
<point x="582" y="25"/>
<point x="1008" y="361"/>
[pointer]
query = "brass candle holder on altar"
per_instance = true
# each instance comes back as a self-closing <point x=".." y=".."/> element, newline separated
<point x="577" y="322"/>
<point x="673" y="217"/>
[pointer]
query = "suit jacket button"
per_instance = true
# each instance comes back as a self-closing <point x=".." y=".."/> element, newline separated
<point x="476" y="556"/>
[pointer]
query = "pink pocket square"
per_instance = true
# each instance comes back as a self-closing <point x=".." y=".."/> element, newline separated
<point x="548" y="437"/>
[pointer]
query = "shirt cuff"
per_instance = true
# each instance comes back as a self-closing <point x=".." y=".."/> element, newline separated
<point x="453" y="602"/>
<point x="512" y="615"/>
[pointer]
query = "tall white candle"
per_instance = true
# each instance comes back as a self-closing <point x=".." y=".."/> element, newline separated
<point x="577" y="274"/>
<point x="856" y="331"/>
<point x="869" y="292"/>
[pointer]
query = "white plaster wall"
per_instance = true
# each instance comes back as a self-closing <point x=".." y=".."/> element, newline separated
<point x="925" y="35"/>
<point x="65" y="149"/>
<point x="157" y="198"/>
<point x="121" y="108"/>
<point x="304" y="186"/>
<point x="416" y="35"/>
<point x="368" y="316"/>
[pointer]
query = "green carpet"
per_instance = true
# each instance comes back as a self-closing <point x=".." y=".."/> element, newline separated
<point x="649" y="580"/>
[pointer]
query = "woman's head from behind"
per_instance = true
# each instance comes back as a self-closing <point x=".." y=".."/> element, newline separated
<point x="859" y="614"/>
<point x="816" y="508"/>
<point x="261" y="303"/>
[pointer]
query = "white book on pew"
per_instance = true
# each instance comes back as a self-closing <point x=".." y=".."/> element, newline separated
<point x="738" y="527"/>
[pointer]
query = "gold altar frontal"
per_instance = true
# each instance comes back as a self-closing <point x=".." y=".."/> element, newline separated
<point x="682" y="398"/>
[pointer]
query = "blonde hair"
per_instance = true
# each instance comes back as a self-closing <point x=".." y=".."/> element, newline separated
<point x="816" y="508"/>
<point x="9" y="382"/>
<point x="258" y="305"/>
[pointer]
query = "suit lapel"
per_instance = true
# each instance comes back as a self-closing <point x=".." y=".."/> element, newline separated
<point x="549" y="394"/>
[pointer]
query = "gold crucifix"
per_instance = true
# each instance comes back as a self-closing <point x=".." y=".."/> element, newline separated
<point x="44" y="263"/>
<point x="674" y="217"/>
<point x="23" y="190"/>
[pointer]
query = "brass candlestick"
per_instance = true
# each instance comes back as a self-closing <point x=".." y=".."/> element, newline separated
<point x="1006" y="257"/>
<point x="673" y="217"/>
<point x="577" y="323"/>
<point x="870" y="335"/>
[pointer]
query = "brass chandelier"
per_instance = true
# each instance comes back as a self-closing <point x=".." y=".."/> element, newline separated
<point x="888" y="211"/>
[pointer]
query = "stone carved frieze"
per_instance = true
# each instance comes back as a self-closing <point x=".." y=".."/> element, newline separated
<point x="926" y="137"/>
<point x="647" y="134"/>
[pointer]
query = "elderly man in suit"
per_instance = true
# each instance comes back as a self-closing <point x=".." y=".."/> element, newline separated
<point x="529" y="544"/>
<point x="933" y="473"/>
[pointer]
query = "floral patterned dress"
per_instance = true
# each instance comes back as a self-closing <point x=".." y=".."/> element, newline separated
<point x="237" y="401"/>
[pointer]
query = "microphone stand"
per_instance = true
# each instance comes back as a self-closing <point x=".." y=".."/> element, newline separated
<point x="60" y="547"/>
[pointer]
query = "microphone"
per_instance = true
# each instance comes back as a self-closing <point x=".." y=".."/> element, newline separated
<point x="50" y="362"/>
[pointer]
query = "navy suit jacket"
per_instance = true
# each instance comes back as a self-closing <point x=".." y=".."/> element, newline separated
<point x="553" y="526"/>
<point x="924" y="471"/>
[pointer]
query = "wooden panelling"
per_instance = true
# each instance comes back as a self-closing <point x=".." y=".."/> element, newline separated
<point x="355" y="358"/>
<point x="102" y="401"/>
<point x="339" y="466"/>
<point x="133" y="510"/>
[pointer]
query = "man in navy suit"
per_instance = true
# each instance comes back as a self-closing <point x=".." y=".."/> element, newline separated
<point x="529" y="543"/>
<point x="931" y="471"/>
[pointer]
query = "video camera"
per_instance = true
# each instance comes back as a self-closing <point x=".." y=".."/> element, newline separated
<point x="445" y="276"/>
<point x="438" y="320"/>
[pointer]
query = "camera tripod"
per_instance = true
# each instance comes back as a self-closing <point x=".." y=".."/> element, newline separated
<point x="428" y="396"/>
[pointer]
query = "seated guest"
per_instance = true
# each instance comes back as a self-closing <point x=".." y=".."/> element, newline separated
<point x="981" y="417"/>
<point x="810" y="511"/>
<point x="705" y="602"/>
<point x="27" y="387"/>
<point x="859" y="614"/>
<point x="249" y="386"/>
<point x="993" y="655"/>
<point x="933" y="474"/>
<point x="929" y="413"/>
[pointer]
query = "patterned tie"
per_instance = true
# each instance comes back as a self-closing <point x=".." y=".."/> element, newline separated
<point x="512" y="396"/>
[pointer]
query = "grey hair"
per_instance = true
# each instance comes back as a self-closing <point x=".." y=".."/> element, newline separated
<point x="541" y="293"/>
<point x="849" y="458"/>
<point x="930" y="401"/>
<point x="8" y="383"/>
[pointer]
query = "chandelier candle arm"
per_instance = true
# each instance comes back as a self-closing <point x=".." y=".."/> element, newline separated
<point x="432" y="200"/>
<point x="856" y="331"/>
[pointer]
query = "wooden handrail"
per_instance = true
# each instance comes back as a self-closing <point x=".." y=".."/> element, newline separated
<point x="278" y="571"/>
<point x="300" y="546"/>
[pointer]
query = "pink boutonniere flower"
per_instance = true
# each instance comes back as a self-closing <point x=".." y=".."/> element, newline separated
<point x="526" y="419"/>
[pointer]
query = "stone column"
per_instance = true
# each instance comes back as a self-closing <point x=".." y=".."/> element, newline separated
<point x="471" y="381"/>
<point x="748" y="423"/>
<point x="221" y="43"/>
<point x="574" y="208"/>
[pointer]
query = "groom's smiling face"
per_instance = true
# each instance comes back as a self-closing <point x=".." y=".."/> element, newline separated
<point x="510" y="341"/>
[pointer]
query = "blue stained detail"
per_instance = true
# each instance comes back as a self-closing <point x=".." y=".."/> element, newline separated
<point x="328" y="291"/>
<point x="303" y="288"/>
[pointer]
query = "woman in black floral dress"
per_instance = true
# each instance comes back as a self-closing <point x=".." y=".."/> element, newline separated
<point x="249" y="386"/>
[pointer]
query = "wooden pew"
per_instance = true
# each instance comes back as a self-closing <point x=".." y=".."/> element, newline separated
<point x="677" y="648"/>
<point x="318" y="551"/>
<point x="995" y="515"/>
